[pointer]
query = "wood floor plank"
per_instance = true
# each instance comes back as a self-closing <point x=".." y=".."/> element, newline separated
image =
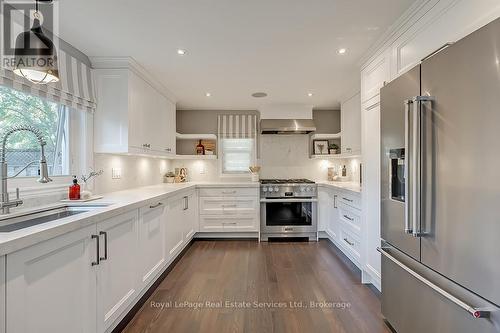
<point x="269" y="287"/>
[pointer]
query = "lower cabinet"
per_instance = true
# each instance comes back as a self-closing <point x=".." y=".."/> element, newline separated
<point x="229" y="210"/>
<point x="340" y="219"/>
<point x="181" y="220"/>
<point x="118" y="282"/>
<point x="151" y="254"/>
<point x="52" y="286"/>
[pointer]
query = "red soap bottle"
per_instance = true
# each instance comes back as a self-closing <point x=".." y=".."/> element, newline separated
<point x="74" y="190"/>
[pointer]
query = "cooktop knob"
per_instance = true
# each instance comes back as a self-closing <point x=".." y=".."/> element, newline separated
<point x="276" y="189"/>
<point x="264" y="189"/>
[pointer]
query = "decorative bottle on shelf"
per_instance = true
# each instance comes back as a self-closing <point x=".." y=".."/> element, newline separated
<point x="200" y="149"/>
<point x="344" y="171"/>
<point x="74" y="190"/>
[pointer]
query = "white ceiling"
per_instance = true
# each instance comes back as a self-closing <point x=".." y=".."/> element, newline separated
<point x="286" y="48"/>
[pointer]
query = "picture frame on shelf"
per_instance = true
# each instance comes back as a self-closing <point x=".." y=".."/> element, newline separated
<point x="320" y="147"/>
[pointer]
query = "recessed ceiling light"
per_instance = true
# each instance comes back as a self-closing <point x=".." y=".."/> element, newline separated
<point x="259" y="94"/>
<point x="181" y="52"/>
<point x="208" y="94"/>
<point x="310" y="94"/>
<point x="342" y="51"/>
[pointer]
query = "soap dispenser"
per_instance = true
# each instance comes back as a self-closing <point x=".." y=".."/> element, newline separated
<point x="344" y="171"/>
<point x="74" y="190"/>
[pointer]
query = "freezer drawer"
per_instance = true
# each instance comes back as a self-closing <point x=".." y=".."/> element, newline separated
<point x="411" y="306"/>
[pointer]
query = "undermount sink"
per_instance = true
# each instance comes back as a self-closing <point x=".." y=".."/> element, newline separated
<point x="39" y="217"/>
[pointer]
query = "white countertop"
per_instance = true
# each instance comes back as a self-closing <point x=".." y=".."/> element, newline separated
<point x="349" y="186"/>
<point x="116" y="204"/>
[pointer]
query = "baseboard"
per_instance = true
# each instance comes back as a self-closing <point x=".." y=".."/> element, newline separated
<point x="125" y="318"/>
<point x="226" y="235"/>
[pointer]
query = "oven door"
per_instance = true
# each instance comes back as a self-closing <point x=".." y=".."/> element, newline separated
<point x="288" y="215"/>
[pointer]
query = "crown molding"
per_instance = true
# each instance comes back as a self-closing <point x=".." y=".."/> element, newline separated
<point x="131" y="64"/>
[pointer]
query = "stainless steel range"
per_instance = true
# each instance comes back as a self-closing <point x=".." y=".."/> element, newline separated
<point x="288" y="208"/>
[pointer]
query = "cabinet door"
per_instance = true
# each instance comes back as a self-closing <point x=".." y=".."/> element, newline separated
<point x="323" y="208"/>
<point x="151" y="241"/>
<point x="167" y="126"/>
<point x="174" y="228"/>
<point x="332" y="227"/>
<point x="190" y="216"/>
<point x="118" y="283"/>
<point x="351" y="125"/>
<point x="140" y="113"/>
<point x="51" y="286"/>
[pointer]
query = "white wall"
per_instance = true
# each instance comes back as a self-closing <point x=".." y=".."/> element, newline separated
<point x="135" y="171"/>
<point x="426" y="26"/>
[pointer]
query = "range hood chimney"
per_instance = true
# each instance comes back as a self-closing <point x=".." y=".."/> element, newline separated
<point x="287" y="126"/>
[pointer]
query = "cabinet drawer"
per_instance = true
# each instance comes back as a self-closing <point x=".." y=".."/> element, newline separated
<point x="228" y="206"/>
<point x="350" y="217"/>
<point x="350" y="199"/>
<point x="229" y="192"/>
<point x="228" y="224"/>
<point x="351" y="242"/>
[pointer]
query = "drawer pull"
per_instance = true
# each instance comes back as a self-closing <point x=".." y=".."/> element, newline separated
<point x="229" y="223"/>
<point x="347" y="241"/>
<point x="228" y="192"/>
<point x="155" y="206"/>
<point x="346" y="199"/>
<point x="349" y="218"/>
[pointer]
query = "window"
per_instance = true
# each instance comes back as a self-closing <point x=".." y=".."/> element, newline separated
<point x="237" y="155"/>
<point x="50" y="118"/>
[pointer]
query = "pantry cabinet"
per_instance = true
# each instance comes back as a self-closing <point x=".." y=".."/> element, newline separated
<point x="351" y="125"/>
<point x="51" y="286"/>
<point x="132" y="116"/>
<point x="118" y="283"/>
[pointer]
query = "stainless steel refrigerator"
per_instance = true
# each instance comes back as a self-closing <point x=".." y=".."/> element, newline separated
<point x="440" y="136"/>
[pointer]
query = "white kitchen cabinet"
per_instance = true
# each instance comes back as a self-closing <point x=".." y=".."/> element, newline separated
<point x="51" y="286"/>
<point x="174" y="228"/>
<point x="328" y="212"/>
<point x="132" y="116"/>
<point x="351" y="125"/>
<point x="118" y="283"/>
<point x="374" y="75"/>
<point x="151" y="254"/>
<point x="229" y="210"/>
<point x="332" y="227"/>
<point x="190" y="215"/>
<point x="323" y="208"/>
<point x="2" y="294"/>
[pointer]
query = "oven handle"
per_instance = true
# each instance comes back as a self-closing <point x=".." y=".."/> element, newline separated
<point x="289" y="200"/>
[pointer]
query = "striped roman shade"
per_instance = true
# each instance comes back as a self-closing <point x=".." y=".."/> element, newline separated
<point x="237" y="126"/>
<point x="75" y="88"/>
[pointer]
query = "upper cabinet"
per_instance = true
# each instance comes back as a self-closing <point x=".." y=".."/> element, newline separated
<point x="351" y="125"/>
<point x="132" y="116"/>
<point x="374" y="76"/>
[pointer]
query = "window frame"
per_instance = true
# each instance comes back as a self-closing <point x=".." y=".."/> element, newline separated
<point x="253" y="158"/>
<point x="79" y="146"/>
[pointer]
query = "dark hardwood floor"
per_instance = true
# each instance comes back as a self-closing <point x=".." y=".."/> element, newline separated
<point x="260" y="274"/>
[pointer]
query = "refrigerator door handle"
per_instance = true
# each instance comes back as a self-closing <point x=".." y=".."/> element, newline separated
<point x="408" y="107"/>
<point x="475" y="312"/>
<point x="416" y="160"/>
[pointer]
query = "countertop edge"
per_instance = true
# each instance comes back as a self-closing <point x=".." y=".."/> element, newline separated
<point x="131" y="199"/>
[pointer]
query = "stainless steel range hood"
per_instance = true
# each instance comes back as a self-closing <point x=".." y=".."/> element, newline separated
<point x="287" y="126"/>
